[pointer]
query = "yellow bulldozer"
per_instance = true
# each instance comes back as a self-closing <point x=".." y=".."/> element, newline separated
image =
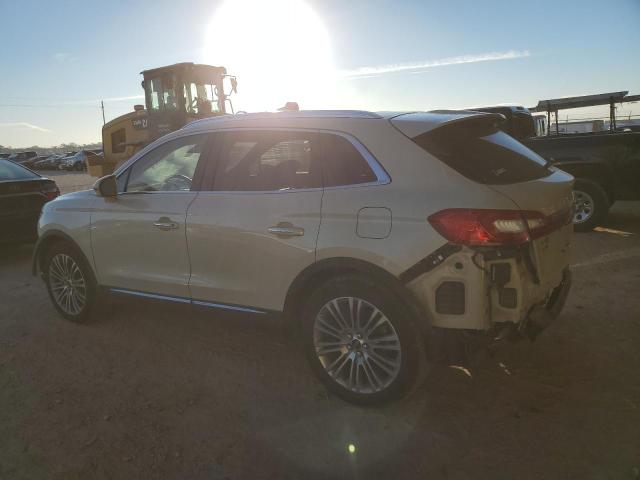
<point x="174" y="96"/>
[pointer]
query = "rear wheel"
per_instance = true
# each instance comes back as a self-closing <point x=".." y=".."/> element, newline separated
<point x="70" y="282"/>
<point x="360" y="342"/>
<point x="590" y="205"/>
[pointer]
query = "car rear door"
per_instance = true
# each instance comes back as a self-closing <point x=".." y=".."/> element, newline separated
<point x="253" y="227"/>
<point x="138" y="238"/>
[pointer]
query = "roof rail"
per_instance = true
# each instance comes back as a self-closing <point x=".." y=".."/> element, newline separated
<point x="290" y="114"/>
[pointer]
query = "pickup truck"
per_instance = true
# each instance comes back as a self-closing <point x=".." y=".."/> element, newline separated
<point x="606" y="165"/>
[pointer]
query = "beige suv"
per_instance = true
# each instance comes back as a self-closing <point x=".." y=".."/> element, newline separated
<point x="370" y="232"/>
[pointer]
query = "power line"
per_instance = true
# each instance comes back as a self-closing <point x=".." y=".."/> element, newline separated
<point x="21" y="105"/>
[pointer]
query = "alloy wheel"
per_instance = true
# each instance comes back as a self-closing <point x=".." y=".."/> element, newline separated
<point x="357" y="345"/>
<point x="68" y="284"/>
<point x="583" y="206"/>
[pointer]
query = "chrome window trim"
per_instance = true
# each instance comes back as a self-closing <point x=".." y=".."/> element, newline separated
<point x="381" y="174"/>
<point x="156" y="192"/>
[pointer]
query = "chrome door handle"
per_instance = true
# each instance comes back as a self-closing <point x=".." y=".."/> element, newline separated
<point x="286" y="231"/>
<point x="165" y="223"/>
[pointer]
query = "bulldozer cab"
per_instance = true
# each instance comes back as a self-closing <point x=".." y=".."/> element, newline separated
<point x="177" y="94"/>
<point x="174" y="96"/>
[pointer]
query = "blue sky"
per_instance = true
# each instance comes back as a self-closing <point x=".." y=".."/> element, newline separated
<point x="60" y="58"/>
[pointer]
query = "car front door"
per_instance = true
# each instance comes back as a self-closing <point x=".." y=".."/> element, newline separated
<point x="254" y="226"/>
<point x="138" y="238"/>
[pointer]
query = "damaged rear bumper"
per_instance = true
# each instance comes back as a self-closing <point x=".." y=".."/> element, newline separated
<point x="541" y="316"/>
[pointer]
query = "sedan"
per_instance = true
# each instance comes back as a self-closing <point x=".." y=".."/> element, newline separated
<point x="22" y="194"/>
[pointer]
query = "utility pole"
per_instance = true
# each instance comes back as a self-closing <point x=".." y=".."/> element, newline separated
<point x="102" y="105"/>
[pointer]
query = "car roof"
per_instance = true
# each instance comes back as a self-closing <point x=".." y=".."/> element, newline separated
<point x="247" y="117"/>
<point x="411" y="123"/>
<point x="427" y="120"/>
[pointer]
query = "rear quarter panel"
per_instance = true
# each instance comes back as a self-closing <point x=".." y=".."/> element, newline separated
<point x="420" y="186"/>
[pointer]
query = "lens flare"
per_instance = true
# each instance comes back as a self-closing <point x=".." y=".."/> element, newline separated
<point x="279" y="50"/>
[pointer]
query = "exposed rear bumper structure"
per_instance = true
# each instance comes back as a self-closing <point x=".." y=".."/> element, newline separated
<point x="540" y="317"/>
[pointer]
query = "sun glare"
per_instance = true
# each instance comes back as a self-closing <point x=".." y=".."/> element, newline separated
<point x="279" y="50"/>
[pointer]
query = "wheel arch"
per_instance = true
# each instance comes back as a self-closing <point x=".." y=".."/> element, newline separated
<point x="45" y="241"/>
<point x="322" y="271"/>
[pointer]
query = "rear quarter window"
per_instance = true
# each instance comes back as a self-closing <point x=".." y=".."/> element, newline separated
<point x="483" y="154"/>
<point x="343" y="164"/>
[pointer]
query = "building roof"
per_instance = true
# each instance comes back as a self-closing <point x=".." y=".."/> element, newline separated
<point x="184" y="66"/>
<point x="554" y="104"/>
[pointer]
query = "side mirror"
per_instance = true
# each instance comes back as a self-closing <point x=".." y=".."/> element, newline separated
<point x="106" y="186"/>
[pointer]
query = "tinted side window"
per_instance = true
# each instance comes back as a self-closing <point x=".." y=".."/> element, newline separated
<point x="118" y="141"/>
<point x="268" y="161"/>
<point x="484" y="154"/>
<point x="168" y="168"/>
<point x="343" y="164"/>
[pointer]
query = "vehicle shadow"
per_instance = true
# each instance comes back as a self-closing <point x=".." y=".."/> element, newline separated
<point x="247" y="379"/>
<point x="623" y="218"/>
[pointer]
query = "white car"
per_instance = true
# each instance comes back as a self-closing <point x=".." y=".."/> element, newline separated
<point x="369" y="232"/>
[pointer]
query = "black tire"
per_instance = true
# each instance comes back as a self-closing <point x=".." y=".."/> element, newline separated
<point x="410" y="356"/>
<point x="591" y="202"/>
<point x="63" y="250"/>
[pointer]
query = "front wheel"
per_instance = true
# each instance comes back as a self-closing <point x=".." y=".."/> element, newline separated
<point x="69" y="282"/>
<point x="590" y="205"/>
<point x="360" y="342"/>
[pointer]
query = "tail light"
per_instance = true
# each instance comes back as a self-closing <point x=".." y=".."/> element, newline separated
<point x="484" y="227"/>
<point x="51" y="192"/>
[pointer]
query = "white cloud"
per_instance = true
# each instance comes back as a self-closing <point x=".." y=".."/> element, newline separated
<point x="24" y="125"/>
<point x="417" y="67"/>
<point x="120" y="99"/>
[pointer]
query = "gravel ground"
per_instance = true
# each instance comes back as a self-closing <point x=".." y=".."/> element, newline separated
<point x="70" y="181"/>
<point x="150" y="390"/>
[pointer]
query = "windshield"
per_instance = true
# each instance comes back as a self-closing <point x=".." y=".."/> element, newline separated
<point x="161" y="93"/>
<point x="201" y="98"/>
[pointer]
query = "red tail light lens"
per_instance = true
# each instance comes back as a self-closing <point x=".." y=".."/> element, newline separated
<point x="483" y="227"/>
<point x="51" y="192"/>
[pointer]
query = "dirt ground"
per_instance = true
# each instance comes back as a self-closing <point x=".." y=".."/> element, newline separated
<point x="151" y="390"/>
